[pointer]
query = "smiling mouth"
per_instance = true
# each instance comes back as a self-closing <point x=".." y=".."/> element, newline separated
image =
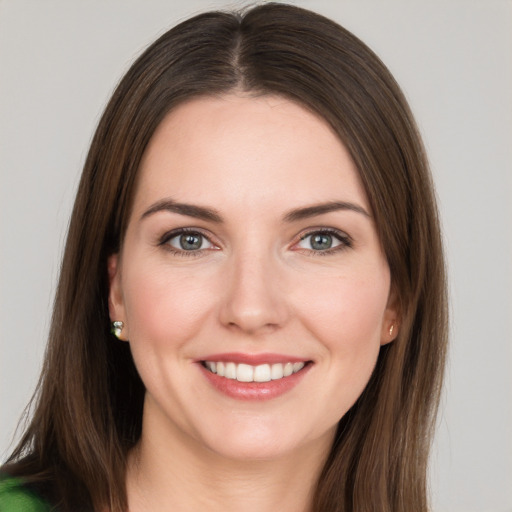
<point x="248" y="373"/>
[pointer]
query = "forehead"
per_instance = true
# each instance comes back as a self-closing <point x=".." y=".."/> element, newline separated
<point x="250" y="150"/>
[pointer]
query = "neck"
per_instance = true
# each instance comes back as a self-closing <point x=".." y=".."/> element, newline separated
<point x="177" y="473"/>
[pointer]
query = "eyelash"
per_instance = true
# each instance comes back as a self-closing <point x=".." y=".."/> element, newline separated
<point x="164" y="242"/>
<point x="344" y="239"/>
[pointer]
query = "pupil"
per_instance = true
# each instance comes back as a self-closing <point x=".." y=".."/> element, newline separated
<point x="190" y="242"/>
<point x="322" y="241"/>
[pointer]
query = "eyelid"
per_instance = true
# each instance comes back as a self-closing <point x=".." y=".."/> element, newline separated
<point x="345" y="240"/>
<point x="168" y="235"/>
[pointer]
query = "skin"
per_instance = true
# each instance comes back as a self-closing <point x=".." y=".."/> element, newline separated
<point x="256" y="285"/>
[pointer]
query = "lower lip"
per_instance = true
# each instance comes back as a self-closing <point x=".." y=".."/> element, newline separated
<point x="254" y="390"/>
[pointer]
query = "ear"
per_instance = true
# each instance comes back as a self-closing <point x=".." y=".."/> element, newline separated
<point x="391" y="319"/>
<point x="115" y="296"/>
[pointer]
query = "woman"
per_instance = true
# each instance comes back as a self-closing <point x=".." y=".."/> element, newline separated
<point x="256" y="225"/>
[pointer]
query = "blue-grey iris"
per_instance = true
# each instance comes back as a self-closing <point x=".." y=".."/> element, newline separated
<point x="191" y="242"/>
<point x="321" y="241"/>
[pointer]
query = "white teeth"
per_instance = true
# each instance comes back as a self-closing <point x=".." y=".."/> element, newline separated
<point x="230" y="371"/>
<point x="288" y="369"/>
<point x="297" y="367"/>
<point x="277" y="371"/>
<point x="247" y="373"/>
<point x="262" y="373"/>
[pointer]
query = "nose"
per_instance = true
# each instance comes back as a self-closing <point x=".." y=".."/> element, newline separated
<point x="254" y="300"/>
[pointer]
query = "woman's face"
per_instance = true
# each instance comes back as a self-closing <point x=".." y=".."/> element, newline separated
<point x="251" y="281"/>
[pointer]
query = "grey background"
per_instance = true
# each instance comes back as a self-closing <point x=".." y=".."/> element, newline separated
<point x="59" y="62"/>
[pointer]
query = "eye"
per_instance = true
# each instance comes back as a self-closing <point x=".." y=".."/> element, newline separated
<point x="187" y="241"/>
<point x="325" y="240"/>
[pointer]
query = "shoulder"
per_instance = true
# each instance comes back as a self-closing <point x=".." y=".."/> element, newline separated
<point x="15" y="497"/>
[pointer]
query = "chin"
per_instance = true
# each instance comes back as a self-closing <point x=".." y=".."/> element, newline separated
<point x="264" y="442"/>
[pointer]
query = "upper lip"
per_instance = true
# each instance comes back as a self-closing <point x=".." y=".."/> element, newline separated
<point x="253" y="359"/>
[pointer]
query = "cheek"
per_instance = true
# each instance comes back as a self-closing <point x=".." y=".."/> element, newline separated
<point x="346" y="315"/>
<point x="163" y="306"/>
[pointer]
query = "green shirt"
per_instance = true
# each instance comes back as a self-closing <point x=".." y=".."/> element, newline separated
<point x="15" y="497"/>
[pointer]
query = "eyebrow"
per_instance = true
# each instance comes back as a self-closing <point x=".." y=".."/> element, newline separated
<point x="319" y="209"/>
<point x="190" y="210"/>
<point x="209" y="214"/>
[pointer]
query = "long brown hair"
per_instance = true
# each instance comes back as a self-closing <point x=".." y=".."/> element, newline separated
<point x="88" y="409"/>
